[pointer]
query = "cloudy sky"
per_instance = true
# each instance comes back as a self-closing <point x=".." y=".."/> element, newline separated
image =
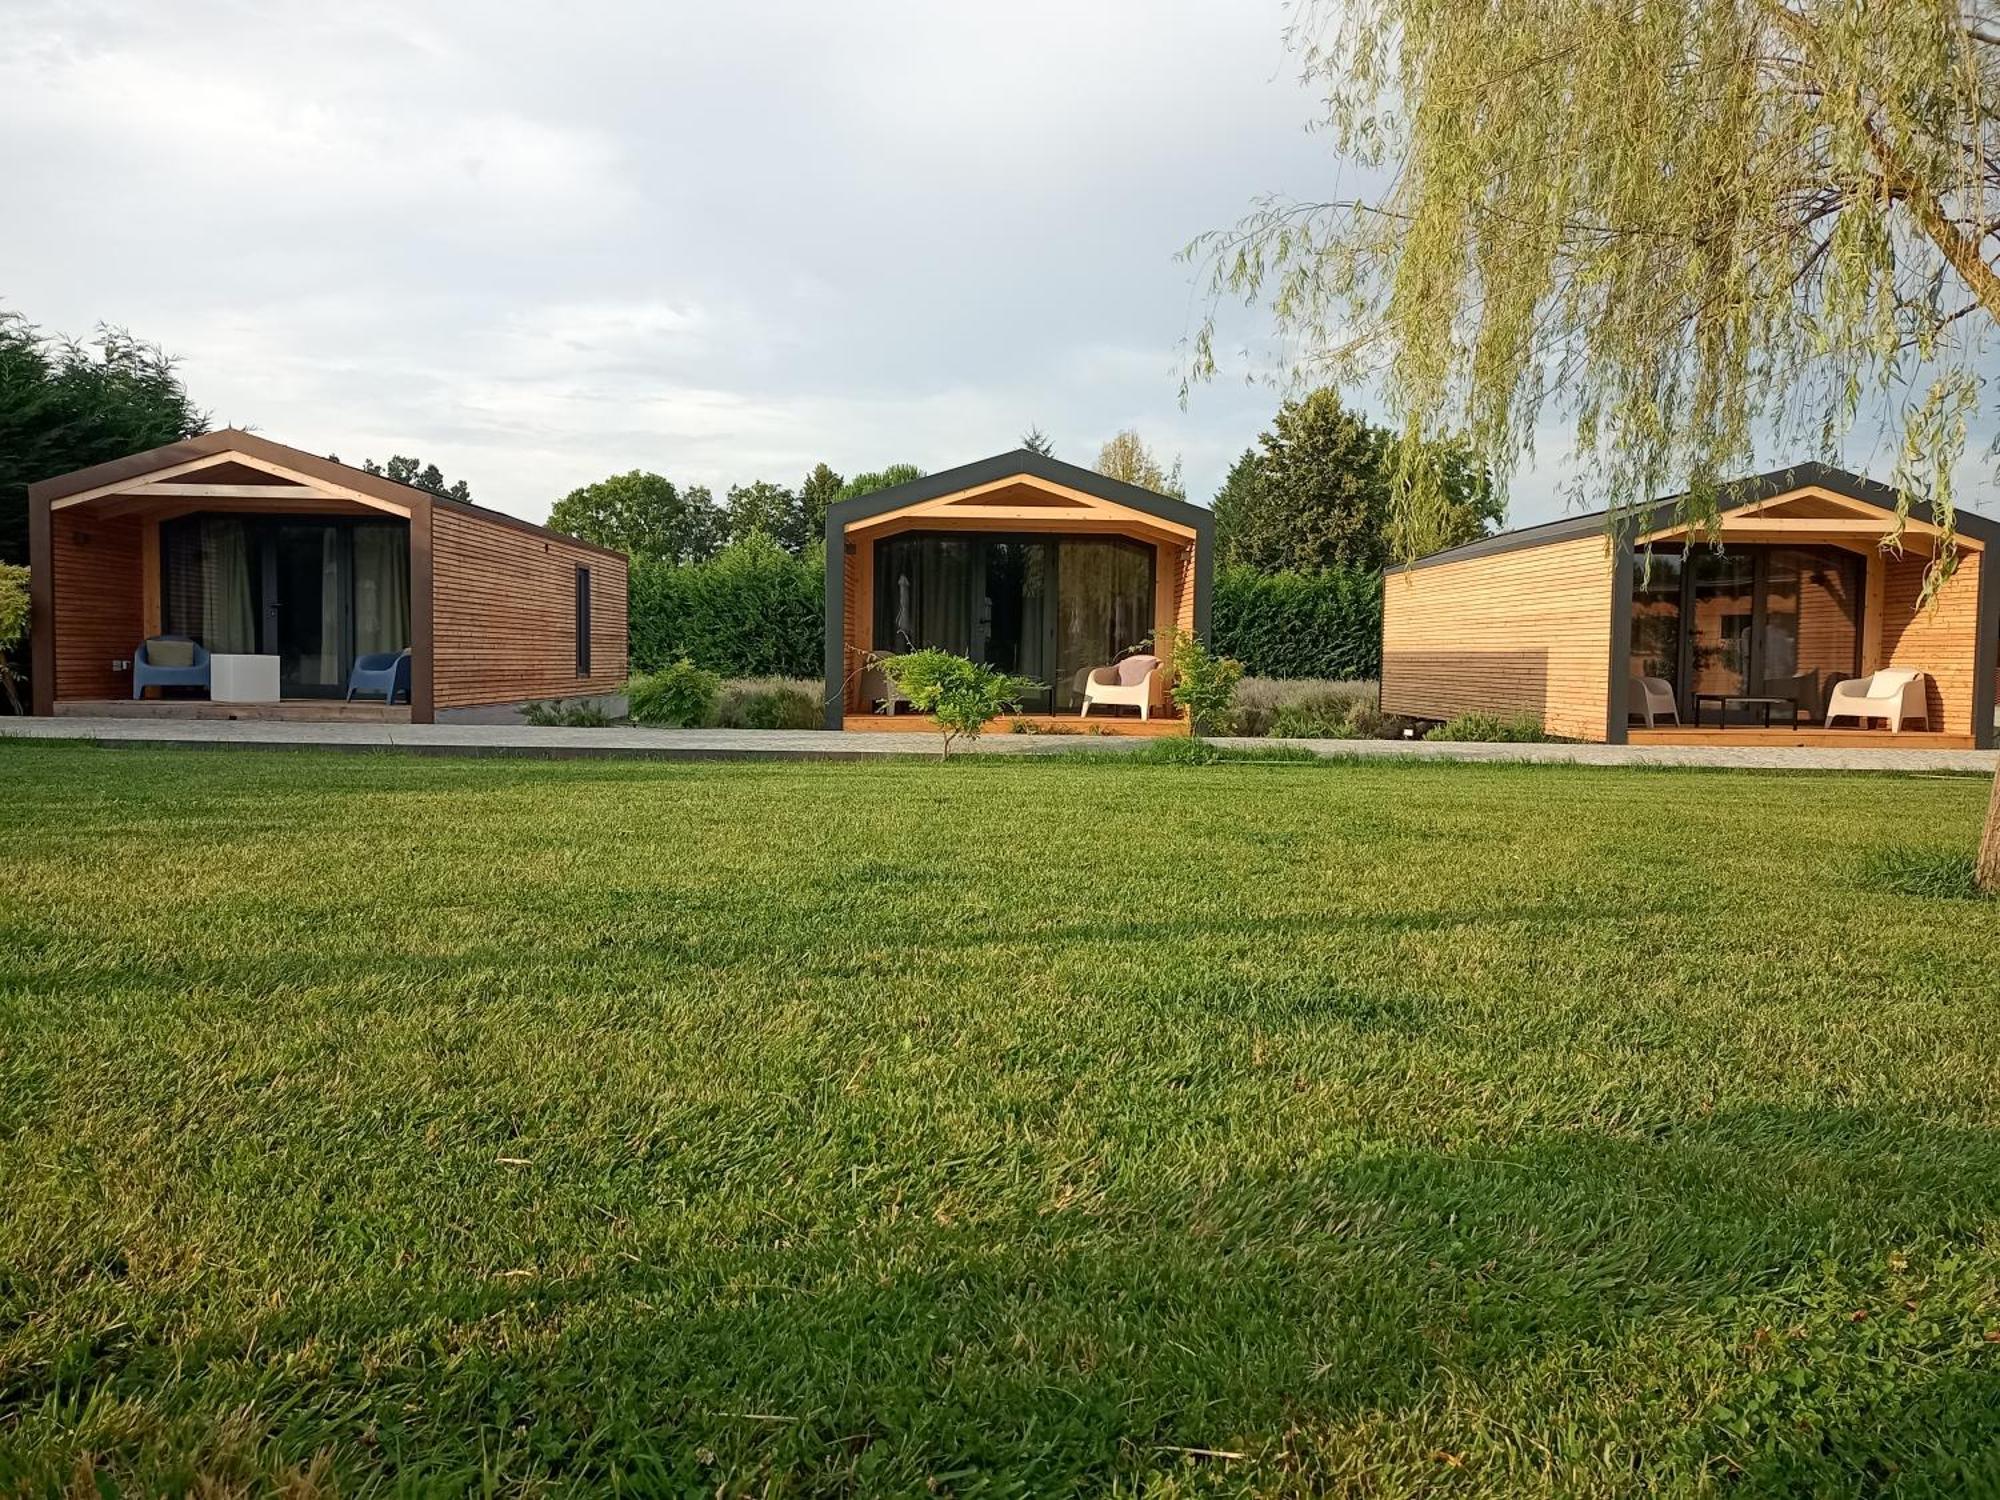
<point x="540" y="244"/>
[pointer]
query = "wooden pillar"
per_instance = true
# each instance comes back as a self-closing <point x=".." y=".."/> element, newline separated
<point x="149" y="577"/>
<point x="1873" y="606"/>
<point x="423" y="615"/>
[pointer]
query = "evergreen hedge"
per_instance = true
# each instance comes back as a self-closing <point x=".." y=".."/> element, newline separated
<point x="1300" y="624"/>
<point x="752" y="610"/>
<point x="755" y="610"/>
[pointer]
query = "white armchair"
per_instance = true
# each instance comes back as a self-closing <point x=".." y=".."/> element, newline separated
<point x="1653" y="698"/>
<point x="1897" y="695"/>
<point x="1129" y="682"/>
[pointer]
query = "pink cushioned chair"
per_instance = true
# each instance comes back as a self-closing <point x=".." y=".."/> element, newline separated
<point x="1129" y="683"/>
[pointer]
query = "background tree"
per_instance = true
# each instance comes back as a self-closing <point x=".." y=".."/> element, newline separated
<point x="817" y="491"/>
<point x="414" y="471"/>
<point x="1691" y="223"/>
<point x="879" y="479"/>
<point x="1316" y="493"/>
<point x="1037" y="441"/>
<point x="66" y="405"/>
<point x="1127" y="457"/>
<point x="761" y="508"/>
<point x="643" y="515"/>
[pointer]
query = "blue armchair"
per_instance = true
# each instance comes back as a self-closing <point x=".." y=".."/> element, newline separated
<point x="384" y="672"/>
<point x="182" y="663"/>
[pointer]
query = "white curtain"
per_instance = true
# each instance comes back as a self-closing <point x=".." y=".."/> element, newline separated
<point x="228" y="621"/>
<point x="381" y="588"/>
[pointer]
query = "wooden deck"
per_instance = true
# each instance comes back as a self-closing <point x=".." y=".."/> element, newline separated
<point x="1747" y="736"/>
<point x="1051" y="724"/>
<point x="292" y="711"/>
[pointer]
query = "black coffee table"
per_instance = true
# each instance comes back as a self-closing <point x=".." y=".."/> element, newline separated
<point x="1722" y="702"/>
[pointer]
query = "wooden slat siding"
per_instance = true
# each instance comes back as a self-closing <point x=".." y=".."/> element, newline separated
<point x="1939" y="640"/>
<point x="504" y="603"/>
<point x="99" y="603"/>
<point x="1526" y="632"/>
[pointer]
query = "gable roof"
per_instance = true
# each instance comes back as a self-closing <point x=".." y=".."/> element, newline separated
<point x="1742" y="492"/>
<point x="1021" y="461"/>
<point x="225" y="440"/>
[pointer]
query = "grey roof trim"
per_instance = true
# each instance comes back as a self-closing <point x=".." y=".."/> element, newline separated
<point x="1004" y="466"/>
<point x="1735" y="495"/>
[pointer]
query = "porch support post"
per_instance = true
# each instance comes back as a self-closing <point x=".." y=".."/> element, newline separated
<point x="41" y="606"/>
<point x="1874" y="602"/>
<point x="1986" y="650"/>
<point x="836" y="622"/>
<point x="423" y="617"/>
<point x="1618" y="689"/>
<point x="1204" y="572"/>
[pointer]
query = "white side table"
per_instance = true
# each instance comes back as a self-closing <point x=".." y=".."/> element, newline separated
<point x="242" y="679"/>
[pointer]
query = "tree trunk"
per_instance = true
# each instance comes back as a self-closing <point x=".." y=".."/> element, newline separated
<point x="1989" y="843"/>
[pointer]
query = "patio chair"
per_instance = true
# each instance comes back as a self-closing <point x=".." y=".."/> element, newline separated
<point x="1896" y="694"/>
<point x="169" y="661"/>
<point x="1653" y="698"/>
<point x="1129" y="683"/>
<point x="384" y="672"/>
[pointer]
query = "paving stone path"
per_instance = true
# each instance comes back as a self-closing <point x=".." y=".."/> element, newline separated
<point x="756" y="744"/>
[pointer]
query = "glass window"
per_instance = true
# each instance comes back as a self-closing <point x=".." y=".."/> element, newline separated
<point x="1656" y="614"/>
<point x="1105" y="608"/>
<point x="1724" y="599"/>
<point x="212" y="585"/>
<point x="1811" y="634"/>
<point x="381" y="586"/>
<point x="1040" y="607"/>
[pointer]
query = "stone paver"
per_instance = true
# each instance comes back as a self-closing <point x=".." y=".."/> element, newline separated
<point x="751" y="744"/>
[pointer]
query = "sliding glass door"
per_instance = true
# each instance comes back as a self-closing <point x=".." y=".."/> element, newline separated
<point x="1041" y="607"/>
<point x="1750" y="621"/>
<point x="312" y="592"/>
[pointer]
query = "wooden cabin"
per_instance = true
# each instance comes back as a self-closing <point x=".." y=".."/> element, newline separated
<point x="1035" y="567"/>
<point x="1798" y="589"/>
<point x="287" y="570"/>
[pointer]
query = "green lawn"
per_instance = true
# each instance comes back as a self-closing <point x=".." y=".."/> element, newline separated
<point x="995" y="1127"/>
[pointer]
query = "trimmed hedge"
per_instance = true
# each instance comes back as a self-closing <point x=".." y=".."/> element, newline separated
<point x="752" y="610"/>
<point x="1300" y="624"/>
<point x="755" y="610"/>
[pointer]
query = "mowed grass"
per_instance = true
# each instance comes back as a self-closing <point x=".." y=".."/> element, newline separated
<point x="374" y="1124"/>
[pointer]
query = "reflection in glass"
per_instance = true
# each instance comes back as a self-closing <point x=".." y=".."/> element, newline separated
<point x="1656" y="614"/>
<point x="1105" y="608"/>
<point x="1044" y="608"/>
<point x="1724" y="599"/>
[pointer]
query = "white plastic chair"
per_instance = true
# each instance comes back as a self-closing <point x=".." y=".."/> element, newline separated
<point x="1653" y="697"/>
<point x="1896" y="695"/>
<point x="1129" y="682"/>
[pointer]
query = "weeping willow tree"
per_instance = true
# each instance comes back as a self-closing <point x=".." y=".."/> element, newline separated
<point x="1675" y="227"/>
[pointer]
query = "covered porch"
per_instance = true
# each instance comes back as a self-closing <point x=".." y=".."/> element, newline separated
<point x="170" y="588"/>
<point x="1741" y="636"/>
<point x="1039" y="569"/>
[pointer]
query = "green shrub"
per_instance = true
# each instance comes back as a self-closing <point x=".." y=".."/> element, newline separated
<point x="752" y="610"/>
<point x="1204" y="683"/>
<point x="13" y="629"/>
<point x="771" y="703"/>
<point x="1521" y="729"/>
<point x="1313" y="721"/>
<point x="961" y="696"/>
<point x="680" y="696"/>
<point x="1326" y="625"/>
<point x="583" y="714"/>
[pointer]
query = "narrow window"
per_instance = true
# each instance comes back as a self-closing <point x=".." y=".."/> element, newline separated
<point x="583" y="622"/>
